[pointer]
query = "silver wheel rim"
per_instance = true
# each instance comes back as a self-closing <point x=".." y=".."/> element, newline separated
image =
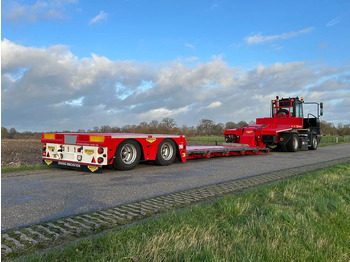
<point x="167" y="151"/>
<point x="314" y="140"/>
<point x="128" y="154"/>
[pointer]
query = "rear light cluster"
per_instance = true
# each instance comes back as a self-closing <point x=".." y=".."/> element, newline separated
<point x="100" y="151"/>
<point x="44" y="149"/>
<point x="79" y="151"/>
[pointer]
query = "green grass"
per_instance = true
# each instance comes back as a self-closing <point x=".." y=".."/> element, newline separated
<point x="206" y="140"/>
<point x="23" y="168"/>
<point x="331" y="140"/>
<point x="302" y="219"/>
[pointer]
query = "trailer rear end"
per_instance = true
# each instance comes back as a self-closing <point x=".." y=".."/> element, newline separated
<point x="92" y="151"/>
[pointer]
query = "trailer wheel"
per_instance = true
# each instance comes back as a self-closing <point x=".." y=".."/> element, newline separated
<point x="293" y="143"/>
<point x="314" y="143"/>
<point x="166" y="153"/>
<point x="127" y="155"/>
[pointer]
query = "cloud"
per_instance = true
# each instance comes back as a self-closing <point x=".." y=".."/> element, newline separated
<point x="15" y="12"/>
<point x="50" y="88"/>
<point x="214" y="105"/>
<point x="259" y="38"/>
<point x="191" y="59"/>
<point x="162" y="112"/>
<point x="337" y="19"/>
<point x="190" y="45"/>
<point x="101" y="16"/>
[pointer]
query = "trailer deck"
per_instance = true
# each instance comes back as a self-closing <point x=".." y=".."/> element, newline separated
<point x="216" y="151"/>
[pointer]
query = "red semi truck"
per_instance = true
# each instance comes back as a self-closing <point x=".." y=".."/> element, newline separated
<point x="286" y="129"/>
<point x="92" y="151"/>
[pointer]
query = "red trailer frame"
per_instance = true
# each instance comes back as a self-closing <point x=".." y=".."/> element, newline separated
<point x="92" y="151"/>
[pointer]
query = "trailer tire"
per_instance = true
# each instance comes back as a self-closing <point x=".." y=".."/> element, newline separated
<point x="314" y="143"/>
<point x="127" y="155"/>
<point x="166" y="153"/>
<point x="293" y="143"/>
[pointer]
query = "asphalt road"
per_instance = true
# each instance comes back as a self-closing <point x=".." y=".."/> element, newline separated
<point x="37" y="196"/>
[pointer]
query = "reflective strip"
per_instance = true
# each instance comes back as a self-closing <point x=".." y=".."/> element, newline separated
<point x="97" y="138"/>
<point x="49" y="136"/>
<point x="283" y="130"/>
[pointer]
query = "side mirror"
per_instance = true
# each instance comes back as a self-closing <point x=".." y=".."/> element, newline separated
<point x="321" y="107"/>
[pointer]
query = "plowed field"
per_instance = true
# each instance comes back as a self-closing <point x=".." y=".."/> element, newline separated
<point x="20" y="152"/>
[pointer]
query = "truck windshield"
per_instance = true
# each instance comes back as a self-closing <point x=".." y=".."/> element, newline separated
<point x="283" y="108"/>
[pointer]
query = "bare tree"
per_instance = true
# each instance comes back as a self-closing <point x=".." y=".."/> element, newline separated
<point x="206" y="127"/>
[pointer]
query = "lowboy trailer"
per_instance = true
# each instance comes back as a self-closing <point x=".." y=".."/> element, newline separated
<point x="92" y="151"/>
<point x="287" y="129"/>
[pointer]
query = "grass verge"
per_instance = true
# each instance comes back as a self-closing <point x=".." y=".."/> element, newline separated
<point x="23" y="168"/>
<point x="301" y="219"/>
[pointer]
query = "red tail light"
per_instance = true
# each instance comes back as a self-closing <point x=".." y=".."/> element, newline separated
<point x="100" y="150"/>
<point x="44" y="153"/>
<point x="100" y="160"/>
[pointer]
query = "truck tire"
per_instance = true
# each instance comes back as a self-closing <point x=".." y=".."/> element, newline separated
<point x="166" y="153"/>
<point x="314" y="143"/>
<point x="127" y="155"/>
<point x="293" y="143"/>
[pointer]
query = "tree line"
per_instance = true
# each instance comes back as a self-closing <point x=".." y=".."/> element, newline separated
<point x="205" y="127"/>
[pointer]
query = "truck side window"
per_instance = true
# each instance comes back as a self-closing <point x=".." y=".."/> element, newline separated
<point x="298" y="109"/>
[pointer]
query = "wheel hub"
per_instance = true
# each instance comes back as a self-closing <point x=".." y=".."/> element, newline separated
<point x="167" y="151"/>
<point x="128" y="153"/>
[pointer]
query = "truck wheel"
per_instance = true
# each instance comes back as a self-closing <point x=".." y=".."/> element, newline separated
<point x="127" y="155"/>
<point x="314" y="143"/>
<point x="293" y="143"/>
<point x="166" y="153"/>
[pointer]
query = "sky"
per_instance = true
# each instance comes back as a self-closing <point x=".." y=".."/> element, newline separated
<point x="69" y="64"/>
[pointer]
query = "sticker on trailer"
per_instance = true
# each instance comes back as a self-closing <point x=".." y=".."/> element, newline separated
<point x="151" y="140"/>
<point x="68" y="164"/>
<point x="48" y="162"/>
<point x="89" y="151"/>
<point x="92" y="168"/>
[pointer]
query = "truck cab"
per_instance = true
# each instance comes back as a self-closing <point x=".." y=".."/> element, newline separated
<point x="286" y="129"/>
